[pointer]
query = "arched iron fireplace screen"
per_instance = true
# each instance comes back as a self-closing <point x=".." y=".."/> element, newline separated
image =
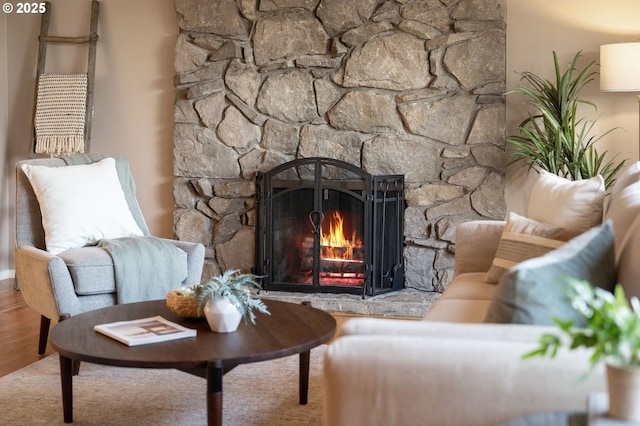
<point x="327" y="226"/>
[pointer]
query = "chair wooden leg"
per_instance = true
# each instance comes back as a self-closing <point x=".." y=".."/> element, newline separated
<point x="75" y="364"/>
<point x="44" y="334"/>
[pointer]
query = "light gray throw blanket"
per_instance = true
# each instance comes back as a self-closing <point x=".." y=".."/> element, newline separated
<point x="146" y="268"/>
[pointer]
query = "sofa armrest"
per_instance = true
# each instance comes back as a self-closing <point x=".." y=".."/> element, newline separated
<point x="476" y="245"/>
<point x="404" y="380"/>
<point x="472" y="331"/>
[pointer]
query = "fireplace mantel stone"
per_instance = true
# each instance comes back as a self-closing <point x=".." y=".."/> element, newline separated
<point x="395" y="87"/>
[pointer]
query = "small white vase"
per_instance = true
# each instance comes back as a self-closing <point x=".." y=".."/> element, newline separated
<point x="624" y="392"/>
<point x="222" y="315"/>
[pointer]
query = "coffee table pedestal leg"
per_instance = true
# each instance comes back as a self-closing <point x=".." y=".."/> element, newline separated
<point x="214" y="395"/>
<point x="305" y="358"/>
<point x="66" y="379"/>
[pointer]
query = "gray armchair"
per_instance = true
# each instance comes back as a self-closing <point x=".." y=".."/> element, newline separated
<point x="79" y="279"/>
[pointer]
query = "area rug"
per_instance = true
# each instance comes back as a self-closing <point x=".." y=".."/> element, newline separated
<point x="264" y="393"/>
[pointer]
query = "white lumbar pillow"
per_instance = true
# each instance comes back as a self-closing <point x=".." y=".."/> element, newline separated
<point x="81" y="204"/>
<point x="575" y="205"/>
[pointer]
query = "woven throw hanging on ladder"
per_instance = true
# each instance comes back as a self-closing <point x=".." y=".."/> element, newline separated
<point x="60" y="113"/>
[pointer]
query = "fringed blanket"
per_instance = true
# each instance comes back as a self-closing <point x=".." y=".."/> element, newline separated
<point x="146" y="268"/>
<point x="60" y="113"/>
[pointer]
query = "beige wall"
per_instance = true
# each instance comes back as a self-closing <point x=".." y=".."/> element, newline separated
<point x="5" y="241"/>
<point x="534" y="30"/>
<point x="133" y="94"/>
<point x="134" y="84"/>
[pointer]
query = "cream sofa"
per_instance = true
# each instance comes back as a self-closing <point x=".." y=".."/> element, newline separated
<point x="452" y="368"/>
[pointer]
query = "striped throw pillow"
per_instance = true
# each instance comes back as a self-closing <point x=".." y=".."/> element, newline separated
<point x="523" y="239"/>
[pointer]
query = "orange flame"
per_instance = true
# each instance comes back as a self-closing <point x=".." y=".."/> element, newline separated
<point x="335" y="245"/>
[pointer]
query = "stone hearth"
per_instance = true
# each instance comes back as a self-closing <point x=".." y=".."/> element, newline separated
<point x="412" y="87"/>
<point x="404" y="303"/>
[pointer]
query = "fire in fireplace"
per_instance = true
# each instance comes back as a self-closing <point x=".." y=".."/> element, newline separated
<point x="328" y="226"/>
<point x="342" y="260"/>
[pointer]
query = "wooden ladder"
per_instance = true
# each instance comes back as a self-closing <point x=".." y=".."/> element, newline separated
<point x="44" y="40"/>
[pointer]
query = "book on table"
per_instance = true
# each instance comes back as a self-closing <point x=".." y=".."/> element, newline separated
<point x="145" y="331"/>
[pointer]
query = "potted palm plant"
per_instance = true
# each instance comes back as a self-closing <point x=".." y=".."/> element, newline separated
<point x="226" y="299"/>
<point x="223" y="300"/>
<point x="612" y="332"/>
<point x="554" y="138"/>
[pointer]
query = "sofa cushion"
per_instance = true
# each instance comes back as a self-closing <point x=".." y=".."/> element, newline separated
<point x="471" y="234"/>
<point x="624" y="210"/>
<point x="523" y="239"/>
<point x="469" y="286"/>
<point x="81" y="204"/>
<point x="458" y="310"/>
<point x="466" y="299"/>
<point x="573" y="205"/>
<point x="534" y="292"/>
<point x="627" y="177"/>
<point x="628" y="260"/>
<point x="624" y="205"/>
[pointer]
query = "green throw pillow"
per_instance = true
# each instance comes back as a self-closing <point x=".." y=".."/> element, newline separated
<point x="534" y="291"/>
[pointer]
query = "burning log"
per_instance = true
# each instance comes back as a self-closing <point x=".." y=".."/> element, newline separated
<point x="341" y="267"/>
<point x="335" y="266"/>
<point x="327" y="252"/>
<point x="341" y="260"/>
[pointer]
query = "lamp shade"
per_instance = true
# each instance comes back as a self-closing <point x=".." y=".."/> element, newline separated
<point x="620" y="67"/>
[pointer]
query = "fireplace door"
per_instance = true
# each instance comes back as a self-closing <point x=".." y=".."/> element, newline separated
<point x="328" y="226"/>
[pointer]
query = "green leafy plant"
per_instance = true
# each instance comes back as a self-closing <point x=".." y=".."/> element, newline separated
<point x="554" y="138"/>
<point x="236" y="287"/>
<point x="612" y="326"/>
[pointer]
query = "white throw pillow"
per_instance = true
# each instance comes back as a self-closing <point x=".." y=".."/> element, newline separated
<point x="81" y="204"/>
<point x="575" y="205"/>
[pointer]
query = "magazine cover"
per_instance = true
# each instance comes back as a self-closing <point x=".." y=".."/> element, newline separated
<point x="145" y="331"/>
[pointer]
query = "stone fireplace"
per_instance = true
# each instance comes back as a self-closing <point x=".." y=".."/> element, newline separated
<point x="393" y="87"/>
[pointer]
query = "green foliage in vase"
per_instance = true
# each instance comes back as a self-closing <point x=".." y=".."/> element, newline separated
<point x="237" y="288"/>
<point x="613" y="326"/>
<point x="554" y="138"/>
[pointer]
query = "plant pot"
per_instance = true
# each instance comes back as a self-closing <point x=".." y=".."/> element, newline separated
<point x="624" y="392"/>
<point x="222" y="315"/>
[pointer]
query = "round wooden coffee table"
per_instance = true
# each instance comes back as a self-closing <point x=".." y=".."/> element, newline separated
<point x="290" y="329"/>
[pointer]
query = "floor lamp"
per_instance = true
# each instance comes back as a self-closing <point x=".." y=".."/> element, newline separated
<point x="620" y="68"/>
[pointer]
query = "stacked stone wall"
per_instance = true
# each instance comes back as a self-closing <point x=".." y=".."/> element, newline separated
<point x="395" y="87"/>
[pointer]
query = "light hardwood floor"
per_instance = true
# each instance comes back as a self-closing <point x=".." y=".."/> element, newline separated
<point x="19" y="329"/>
